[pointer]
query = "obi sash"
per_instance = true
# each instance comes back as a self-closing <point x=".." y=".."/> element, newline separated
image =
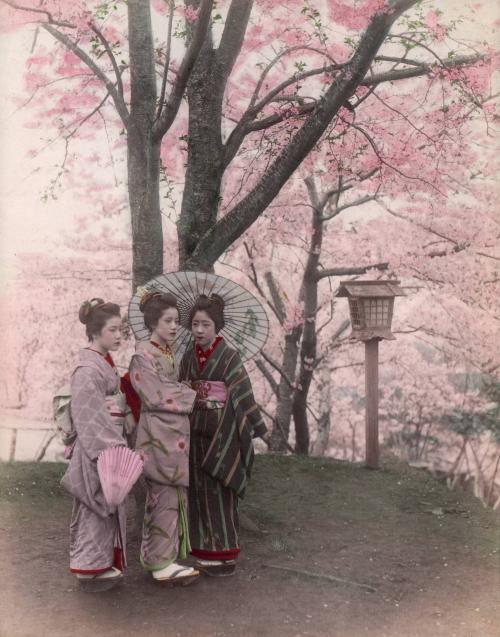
<point x="210" y="394"/>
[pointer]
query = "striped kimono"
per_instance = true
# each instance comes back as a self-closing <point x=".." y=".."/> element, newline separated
<point x="97" y="531"/>
<point x="221" y="453"/>
<point x="163" y="435"/>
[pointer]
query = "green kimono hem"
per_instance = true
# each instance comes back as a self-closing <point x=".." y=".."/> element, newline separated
<point x="156" y="567"/>
<point x="184" y="544"/>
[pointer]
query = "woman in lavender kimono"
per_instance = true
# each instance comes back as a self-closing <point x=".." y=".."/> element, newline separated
<point x="163" y="436"/>
<point x="97" y="531"/>
<point x="223" y="423"/>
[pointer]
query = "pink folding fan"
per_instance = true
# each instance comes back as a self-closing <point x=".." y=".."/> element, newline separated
<point x="118" y="469"/>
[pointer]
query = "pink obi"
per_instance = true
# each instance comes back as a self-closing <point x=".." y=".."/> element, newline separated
<point x="210" y="394"/>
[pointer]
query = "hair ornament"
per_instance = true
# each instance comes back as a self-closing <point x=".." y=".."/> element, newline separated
<point x="215" y="298"/>
<point x="87" y="307"/>
<point x="145" y="294"/>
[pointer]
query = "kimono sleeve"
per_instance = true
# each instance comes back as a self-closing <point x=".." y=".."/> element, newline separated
<point x="243" y="397"/>
<point x="94" y="426"/>
<point x="156" y="393"/>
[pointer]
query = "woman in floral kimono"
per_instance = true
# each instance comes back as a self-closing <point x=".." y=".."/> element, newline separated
<point x="223" y="423"/>
<point x="163" y="435"/>
<point x="97" y="531"/>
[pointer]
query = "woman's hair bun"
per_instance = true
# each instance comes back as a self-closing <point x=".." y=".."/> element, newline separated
<point x="148" y="296"/>
<point x="86" y="309"/>
<point x="217" y="299"/>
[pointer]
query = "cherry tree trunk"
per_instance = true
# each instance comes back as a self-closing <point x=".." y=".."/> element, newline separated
<point x="204" y="171"/>
<point x="283" y="414"/>
<point x="143" y="152"/>
<point x="309" y="337"/>
<point x="320" y="445"/>
<point x="206" y="160"/>
<point x="307" y="358"/>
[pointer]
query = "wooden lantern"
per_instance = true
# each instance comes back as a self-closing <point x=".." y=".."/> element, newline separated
<point x="371" y="305"/>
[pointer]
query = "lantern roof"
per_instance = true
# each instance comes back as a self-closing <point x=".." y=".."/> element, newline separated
<point x="370" y="289"/>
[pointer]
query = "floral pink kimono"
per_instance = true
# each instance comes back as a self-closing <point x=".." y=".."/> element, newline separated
<point x="97" y="531"/>
<point x="163" y="435"/>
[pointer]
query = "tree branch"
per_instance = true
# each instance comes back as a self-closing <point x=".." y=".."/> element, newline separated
<point x="230" y="227"/>
<point x="267" y="375"/>
<point x="173" y="103"/>
<point x="347" y="185"/>
<point x="421" y="130"/>
<point x="87" y="117"/>
<point x="398" y="7"/>
<point x="350" y="271"/>
<point x="419" y="43"/>
<point x="105" y="43"/>
<point x="86" y="59"/>
<point x="247" y="124"/>
<point x="243" y="127"/>
<point x="375" y="149"/>
<point x="255" y="280"/>
<point x="340" y="330"/>
<point x="396" y="60"/>
<point x="488" y="256"/>
<point x="233" y="34"/>
<point x="425" y="69"/>
<point x="398" y="215"/>
<point x="65" y="78"/>
<point x="357" y="202"/>
<point x="271" y="120"/>
<point x="297" y="77"/>
<point x="275" y="365"/>
<point x="42" y="11"/>
<point x="274" y="61"/>
<point x="167" y="58"/>
<point x="276" y="297"/>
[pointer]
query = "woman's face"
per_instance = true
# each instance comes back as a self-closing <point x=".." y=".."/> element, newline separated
<point x="166" y="328"/>
<point x="203" y="329"/>
<point x="110" y="338"/>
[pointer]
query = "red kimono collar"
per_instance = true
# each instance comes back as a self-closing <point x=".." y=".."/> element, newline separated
<point x="202" y="355"/>
<point x="165" y="350"/>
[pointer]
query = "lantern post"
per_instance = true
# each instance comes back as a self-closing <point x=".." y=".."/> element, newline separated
<point x="371" y="305"/>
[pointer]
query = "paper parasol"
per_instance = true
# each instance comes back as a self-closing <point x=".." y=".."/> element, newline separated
<point x="246" y="324"/>
<point x="118" y="469"/>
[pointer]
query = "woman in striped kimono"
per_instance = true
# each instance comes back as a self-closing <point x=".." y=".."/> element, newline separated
<point x="163" y="437"/>
<point x="97" y="531"/>
<point x="224" y="421"/>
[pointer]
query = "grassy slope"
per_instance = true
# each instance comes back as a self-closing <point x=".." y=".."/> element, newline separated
<point x="392" y="552"/>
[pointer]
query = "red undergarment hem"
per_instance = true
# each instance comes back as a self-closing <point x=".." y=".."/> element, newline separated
<point x="230" y="554"/>
<point x="118" y="562"/>
<point x="118" y="559"/>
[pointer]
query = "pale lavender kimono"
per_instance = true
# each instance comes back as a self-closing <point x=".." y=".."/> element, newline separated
<point x="96" y="529"/>
<point x="163" y="435"/>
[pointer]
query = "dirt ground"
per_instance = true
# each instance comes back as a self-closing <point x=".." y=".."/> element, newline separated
<point x="336" y="551"/>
